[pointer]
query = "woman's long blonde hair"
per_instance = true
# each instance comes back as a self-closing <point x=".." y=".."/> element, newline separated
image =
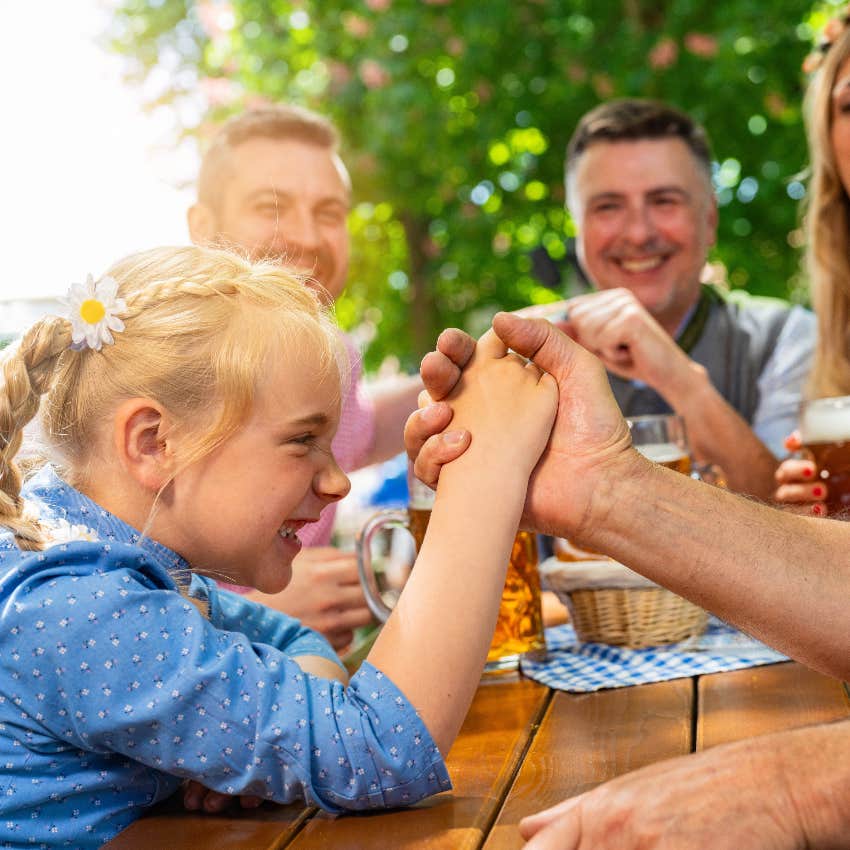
<point x="828" y="234"/>
<point x="202" y="325"/>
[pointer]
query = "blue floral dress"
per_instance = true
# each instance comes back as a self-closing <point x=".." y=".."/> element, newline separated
<point x="115" y="686"/>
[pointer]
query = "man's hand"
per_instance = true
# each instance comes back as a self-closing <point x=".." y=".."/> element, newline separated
<point x="324" y="593"/>
<point x="588" y="439"/>
<point x="619" y="330"/>
<point x="726" y="798"/>
<point x="614" y="325"/>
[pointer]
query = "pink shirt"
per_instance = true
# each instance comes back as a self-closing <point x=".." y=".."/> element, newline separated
<point x="351" y="445"/>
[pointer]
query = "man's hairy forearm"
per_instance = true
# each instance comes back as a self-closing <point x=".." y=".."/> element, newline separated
<point x="779" y="577"/>
<point x="815" y="765"/>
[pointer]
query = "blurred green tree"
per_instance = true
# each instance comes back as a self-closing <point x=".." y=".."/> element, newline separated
<point x="455" y="115"/>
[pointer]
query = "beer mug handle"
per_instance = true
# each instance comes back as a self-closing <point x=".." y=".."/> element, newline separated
<point x="368" y="581"/>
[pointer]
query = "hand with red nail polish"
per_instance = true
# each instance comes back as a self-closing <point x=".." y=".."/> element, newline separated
<point x="800" y="489"/>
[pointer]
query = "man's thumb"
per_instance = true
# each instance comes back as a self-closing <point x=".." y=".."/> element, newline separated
<point x="536" y="339"/>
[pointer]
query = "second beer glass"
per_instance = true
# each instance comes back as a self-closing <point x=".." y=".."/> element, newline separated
<point x="825" y="434"/>
<point x="519" y="628"/>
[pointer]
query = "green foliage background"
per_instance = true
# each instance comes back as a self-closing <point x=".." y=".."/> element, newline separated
<point x="455" y="115"/>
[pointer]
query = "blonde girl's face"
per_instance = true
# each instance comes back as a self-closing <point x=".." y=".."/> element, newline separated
<point x="235" y="515"/>
<point x="840" y="123"/>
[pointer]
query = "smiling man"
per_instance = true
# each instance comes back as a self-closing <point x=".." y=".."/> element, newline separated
<point x="638" y="177"/>
<point x="272" y="185"/>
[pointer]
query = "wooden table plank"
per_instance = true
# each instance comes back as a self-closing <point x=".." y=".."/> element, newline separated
<point x="586" y="739"/>
<point x="760" y="700"/>
<point x="171" y="827"/>
<point x="482" y="764"/>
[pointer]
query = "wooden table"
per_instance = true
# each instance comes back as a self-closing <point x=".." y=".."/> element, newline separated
<point x="524" y="747"/>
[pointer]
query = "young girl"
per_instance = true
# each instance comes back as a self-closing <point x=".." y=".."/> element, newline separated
<point x="190" y="401"/>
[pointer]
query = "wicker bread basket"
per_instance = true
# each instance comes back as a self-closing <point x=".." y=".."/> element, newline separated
<point x="609" y="603"/>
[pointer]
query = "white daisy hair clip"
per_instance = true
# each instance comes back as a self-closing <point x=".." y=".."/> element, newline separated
<point x="94" y="312"/>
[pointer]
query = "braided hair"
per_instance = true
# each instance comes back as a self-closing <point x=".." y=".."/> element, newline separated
<point x="201" y="327"/>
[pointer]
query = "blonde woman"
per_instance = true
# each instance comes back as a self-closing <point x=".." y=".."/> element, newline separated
<point x="828" y="248"/>
<point x="190" y="399"/>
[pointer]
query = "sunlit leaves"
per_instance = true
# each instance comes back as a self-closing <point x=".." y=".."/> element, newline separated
<point x="456" y="114"/>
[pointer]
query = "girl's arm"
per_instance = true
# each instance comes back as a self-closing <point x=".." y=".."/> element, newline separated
<point x="434" y="645"/>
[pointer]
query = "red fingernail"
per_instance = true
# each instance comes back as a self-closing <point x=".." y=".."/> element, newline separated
<point x="817" y="492"/>
<point x="808" y="472"/>
<point x="818" y="510"/>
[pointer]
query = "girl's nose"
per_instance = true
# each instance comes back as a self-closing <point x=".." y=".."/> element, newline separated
<point x="331" y="482"/>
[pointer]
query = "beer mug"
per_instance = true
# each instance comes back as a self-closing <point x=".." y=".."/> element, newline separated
<point x="825" y="435"/>
<point x="661" y="438"/>
<point x="519" y="628"/>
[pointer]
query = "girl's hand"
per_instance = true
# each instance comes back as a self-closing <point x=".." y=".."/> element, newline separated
<point x="799" y="489"/>
<point x="507" y="403"/>
<point x="197" y="797"/>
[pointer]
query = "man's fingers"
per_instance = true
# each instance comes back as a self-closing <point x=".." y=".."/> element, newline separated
<point x="439" y="374"/>
<point x="355" y="617"/>
<point x="423" y="424"/>
<point x="345" y="599"/>
<point x="537" y="340"/>
<point x="533" y="823"/>
<point x="560" y="832"/>
<point x="456" y="345"/>
<point x="438" y="451"/>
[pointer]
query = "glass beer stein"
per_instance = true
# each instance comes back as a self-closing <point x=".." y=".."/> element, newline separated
<point x="825" y="435"/>
<point x="661" y="438"/>
<point x="519" y="628"/>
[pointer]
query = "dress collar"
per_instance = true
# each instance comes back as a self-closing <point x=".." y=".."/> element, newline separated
<point x="56" y="500"/>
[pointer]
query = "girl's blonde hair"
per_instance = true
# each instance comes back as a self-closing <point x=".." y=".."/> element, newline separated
<point x="202" y="326"/>
<point x="828" y="234"/>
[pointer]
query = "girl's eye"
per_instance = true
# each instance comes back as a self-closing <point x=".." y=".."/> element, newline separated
<point x="304" y="440"/>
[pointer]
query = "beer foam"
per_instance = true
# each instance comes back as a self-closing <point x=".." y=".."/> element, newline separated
<point x="821" y="424"/>
<point x="661" y="452"/>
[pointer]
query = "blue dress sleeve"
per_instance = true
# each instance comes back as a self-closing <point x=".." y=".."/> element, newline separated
<point x="109" y="663"/>
<point x="233" y="612"/>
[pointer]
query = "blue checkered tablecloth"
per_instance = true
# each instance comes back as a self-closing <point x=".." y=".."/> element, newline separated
<point x="571" y="665"/>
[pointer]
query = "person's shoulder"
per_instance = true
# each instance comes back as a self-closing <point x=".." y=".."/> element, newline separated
<point x="27" y="574"/>
<point x="742" y="300"/>
<point x="749" y="309"/>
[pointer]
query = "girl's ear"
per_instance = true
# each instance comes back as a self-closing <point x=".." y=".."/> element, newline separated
<point x="140" y="428"/>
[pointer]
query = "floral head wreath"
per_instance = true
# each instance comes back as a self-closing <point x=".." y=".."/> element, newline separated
<point x="833" y="30"/>
<point x="94" y="312"/>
